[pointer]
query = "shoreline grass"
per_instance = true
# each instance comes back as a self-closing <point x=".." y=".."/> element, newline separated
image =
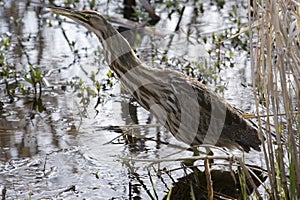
<point x="275" y="63"/>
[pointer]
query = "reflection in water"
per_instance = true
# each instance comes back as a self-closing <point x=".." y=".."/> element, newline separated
<point x="56" y="153"/>
<point x="226" y="185"/>
<point x="28" y="132"/>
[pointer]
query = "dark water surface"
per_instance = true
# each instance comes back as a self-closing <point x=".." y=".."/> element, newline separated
<point x="67" y="152"/>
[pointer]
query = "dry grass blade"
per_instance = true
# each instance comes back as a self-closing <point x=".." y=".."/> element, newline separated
<point x="209" y="182"/>
<point x="275" y="70"/>
<point x="252" y="115"/>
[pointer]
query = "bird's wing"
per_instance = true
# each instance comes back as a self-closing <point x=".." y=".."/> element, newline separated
<point x="192" y="112"/>
<point x="235" y="129"/>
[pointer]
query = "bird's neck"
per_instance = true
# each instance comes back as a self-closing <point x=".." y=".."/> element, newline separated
<point x="118" y="53"/>
<point x="125" y="63"/>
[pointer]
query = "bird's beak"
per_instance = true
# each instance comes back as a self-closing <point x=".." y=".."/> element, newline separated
<point x="72" y="14"/>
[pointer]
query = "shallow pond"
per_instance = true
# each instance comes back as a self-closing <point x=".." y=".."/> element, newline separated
<point x="72" y="149"/>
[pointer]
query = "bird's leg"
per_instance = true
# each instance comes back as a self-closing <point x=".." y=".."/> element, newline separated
<point x="195" y="151"/>
<point x="190" y="163"/>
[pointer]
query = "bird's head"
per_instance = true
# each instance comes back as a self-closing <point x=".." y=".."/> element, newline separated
<point x="90" y="19"/>
<point x="115" y="45"/>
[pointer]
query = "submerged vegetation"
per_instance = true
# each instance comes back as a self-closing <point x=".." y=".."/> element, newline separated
<point x="266" y="32"/>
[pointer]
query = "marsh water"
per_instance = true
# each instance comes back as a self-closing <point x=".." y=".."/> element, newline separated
<point x="76" y="143"/>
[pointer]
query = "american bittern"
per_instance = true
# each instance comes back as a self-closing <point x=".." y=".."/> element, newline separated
<point x="192" y="112"/>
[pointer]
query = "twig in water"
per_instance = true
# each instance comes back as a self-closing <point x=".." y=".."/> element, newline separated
<point x="71" y="188"/>
<point x="4" y="193"/>
<point x="180" y="18"/>
<point x="24" y="52"/>
<point x="150" y="10"/>
<point x="155" y="161"/>
<point x="133" y="126"/>
<point x="66" y="38"/>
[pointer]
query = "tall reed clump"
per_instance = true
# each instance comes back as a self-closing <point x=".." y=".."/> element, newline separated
<point x="275" y="61"/>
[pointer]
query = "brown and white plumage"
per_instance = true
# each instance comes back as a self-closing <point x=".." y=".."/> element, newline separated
<point x="188" y="109"/>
